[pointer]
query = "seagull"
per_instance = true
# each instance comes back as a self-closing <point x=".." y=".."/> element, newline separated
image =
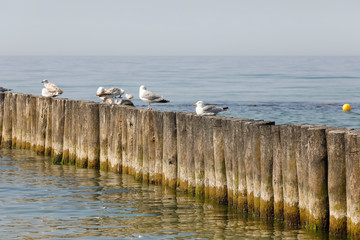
<point x="150" y="97"/>
<point x="46" y="93"/>
<point x="208" y="109"/>
<point x="109" y="93"/>
<point x="105" y="94"/>
<point x="125" y="102"/>
<point x="51" y="89"/>
<point x="4" y="89"/>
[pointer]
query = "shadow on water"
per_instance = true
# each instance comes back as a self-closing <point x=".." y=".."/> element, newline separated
<point x="40" y="200"/>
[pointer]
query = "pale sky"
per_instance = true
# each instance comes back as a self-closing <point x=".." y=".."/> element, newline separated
<point x="179" y="27"/>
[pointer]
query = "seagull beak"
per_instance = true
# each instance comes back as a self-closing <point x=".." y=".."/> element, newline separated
<point x="194" y="104"/>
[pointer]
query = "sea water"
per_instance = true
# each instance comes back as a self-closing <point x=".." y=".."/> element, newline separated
<point x="286" y="90"/>
<point x="40" y="200"/>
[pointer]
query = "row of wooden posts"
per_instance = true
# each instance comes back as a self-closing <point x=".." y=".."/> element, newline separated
<point x="306" y="175"/>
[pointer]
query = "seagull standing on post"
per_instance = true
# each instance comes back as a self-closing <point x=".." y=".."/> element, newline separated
<point x="50" y="90"/>
<point x="150" y="97"/>
<point x="208" y="109"/>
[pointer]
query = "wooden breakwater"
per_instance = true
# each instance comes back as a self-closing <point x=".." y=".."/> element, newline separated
<point x="306" y="175"/>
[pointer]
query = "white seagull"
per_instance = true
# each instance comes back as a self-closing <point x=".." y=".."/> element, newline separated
<point x="50" y="90"/>
<point x="106" y="94"/>
<point x="150" y="97"/>
<point x="110" y="93"/>
<point x="4" y="89"/>
<point x="208" y="109"/>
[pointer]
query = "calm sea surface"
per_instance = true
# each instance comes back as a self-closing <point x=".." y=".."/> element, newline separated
<point x="280" y="89"/>
<point x="39" y="200"/>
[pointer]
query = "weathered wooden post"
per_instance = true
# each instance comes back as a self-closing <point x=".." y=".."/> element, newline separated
<point x="93" y="136"/>
<point x="141" y="148"/>
<point x="352" y="143"/>
<point x="219" y="161"/>
<point x="318" y="192"/>
<point x="29" y="111"/>
<point x="181" y="151"/>
<point x="209" y="164"/>
<point x="74" y="131"/>
<point x="256" y="162"/>
<point x="145" y="142"/>
<point x="58" y="117"/>
<point x="82" y="151"/>
<point x="337" y="181"/>
<point x="242" y="153"/>
<point x="266" y="163"/>
<point x="2" y="100"/>
<point x="277" y="174"/>
<point x="18" y="127"/>
<point x="158" y="134"/>
<point x="104" y="114"/>
<point x="198" y="138"/>
<point x="291" y="194"/>
<point x="67" y="131"/>
<point x="132" y="139"/>
<point x="152" y="148"/>
<point x="190" y="164"/>
<point x="114" y="150"/>
<point x="229" y="155"/>
<point x="170" y="150"/>
<point x="33" y="122"/>
<point x="249" y="163"/>
<point x="49" y="129"/>
<point x="42" y="105"/>
<point x="124" y="139"/>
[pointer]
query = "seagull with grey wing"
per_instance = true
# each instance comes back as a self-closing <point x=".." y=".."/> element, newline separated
<point x="50" y="89"/>
<point x="208" y="109"/>
<point x="4" y="89"/>
<point x="150" y="97"/>
<point x="106" y="94"/>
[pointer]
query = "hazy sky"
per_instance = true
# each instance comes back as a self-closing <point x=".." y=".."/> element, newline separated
<point x="179" y="27"/>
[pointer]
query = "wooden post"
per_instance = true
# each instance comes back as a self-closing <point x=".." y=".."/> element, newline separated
<point x="291" y="195"/>
<point x="277" y="174"/>
<point x="182" y="180"/>
<point x="266" y="163"/>
<point x="33" y="122"/>
<point x="352" y="183"/>
<point x="67" y="131"/>
<point x="318" y="192"/>
<point x="229" y="155"/>
<point x="256" y="162"/>
<point x="209" y="165"/>
<point x="114" y="139"/>
<point x="219" y="161"/>
<point x="58" y="117"/>
<point x="124" y="139"/>
<point x="6" y="137"/>
<point x="74" y="131"/>
<point x="2" y="100"/>
<point x="93" y="136"/>
<point x="248" y="159"/>
<point x="170" y="150"/>
<point x="82" y="151"/>
<point x="104" y="114"/>
<point x="141" y="149"/>
<point x="42" y="112"/>
<point x="49" y="128"/>
<point x="145" y="142"/>
<point x="190" y="164"/>
<point x="152" y="148"/>
<point x="158" y="134"/>
<point x="198" y="138"/>
<point x="337" y="181"/>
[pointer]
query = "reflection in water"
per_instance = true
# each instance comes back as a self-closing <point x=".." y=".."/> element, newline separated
<point x="39" y="200"/>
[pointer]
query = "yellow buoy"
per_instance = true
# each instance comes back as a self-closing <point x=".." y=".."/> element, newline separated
<point x="346" y="107"/>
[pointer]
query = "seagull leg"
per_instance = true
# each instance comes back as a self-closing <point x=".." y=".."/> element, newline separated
<point x="149" y="106"/>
